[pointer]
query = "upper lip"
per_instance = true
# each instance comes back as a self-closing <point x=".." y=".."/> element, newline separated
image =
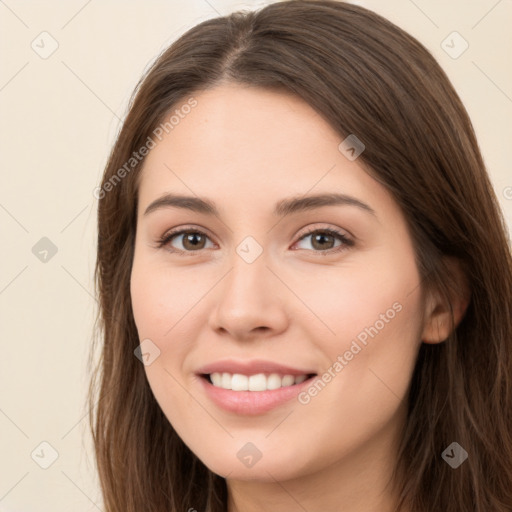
<point x="250" y="367"/>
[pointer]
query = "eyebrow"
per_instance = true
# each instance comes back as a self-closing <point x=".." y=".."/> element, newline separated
<point x="282" y="208"/>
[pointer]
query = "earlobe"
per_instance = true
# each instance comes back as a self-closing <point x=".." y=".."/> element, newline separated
<point x="438" y="323"/>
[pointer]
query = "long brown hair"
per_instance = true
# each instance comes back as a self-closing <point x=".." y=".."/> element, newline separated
<point x="367" y="77"/>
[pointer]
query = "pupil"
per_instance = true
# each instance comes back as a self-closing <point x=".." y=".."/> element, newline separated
<point x="192" y="239"/>
<point x="320" y="238"/>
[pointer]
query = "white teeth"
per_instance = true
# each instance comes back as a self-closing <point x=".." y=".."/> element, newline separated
<point x="239" y="382"/>
<point x="288" y="380"/>
<point x="273" y="381"/>
<point x="226" y="381"/>
<point x="216" y="379"/>
<point x="258" y="382"/>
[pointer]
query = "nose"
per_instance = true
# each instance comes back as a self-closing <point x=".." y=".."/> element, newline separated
<point x="250" y="301"/>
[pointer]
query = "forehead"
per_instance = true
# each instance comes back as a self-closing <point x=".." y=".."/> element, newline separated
<point x="231" y="119"/>
<point x="246" y="144"/>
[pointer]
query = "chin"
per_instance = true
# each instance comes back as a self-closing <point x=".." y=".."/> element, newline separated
<point x="244" y="461"/>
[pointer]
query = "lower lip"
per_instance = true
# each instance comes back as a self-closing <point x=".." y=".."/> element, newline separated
<point x="252" y="402"/>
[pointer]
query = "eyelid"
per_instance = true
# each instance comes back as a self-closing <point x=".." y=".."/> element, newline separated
<point x="319" y="226"/>
<point x="192" y="227"/>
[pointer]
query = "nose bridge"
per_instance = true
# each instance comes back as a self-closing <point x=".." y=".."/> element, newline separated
<point x="247" y="296"/>
<point x="249" y="273"/>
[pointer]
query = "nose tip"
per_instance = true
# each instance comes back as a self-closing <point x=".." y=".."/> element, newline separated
<point x="247" y="301"/>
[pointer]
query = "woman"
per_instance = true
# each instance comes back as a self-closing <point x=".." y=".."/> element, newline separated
<point x="304" y="277"/>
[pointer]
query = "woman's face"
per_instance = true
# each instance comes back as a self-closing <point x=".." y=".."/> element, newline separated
<point x="264" y="293"/>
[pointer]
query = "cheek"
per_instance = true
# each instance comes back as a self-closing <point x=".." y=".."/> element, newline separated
<point x="163" y="312"/>
<point x="163" y="299"/>
<point x="356" y="295"/>
<point x="150" y="303"/>
<point x="369" y="363"/>
<point x="373" y="312"/>
<point x="166" y="309"/>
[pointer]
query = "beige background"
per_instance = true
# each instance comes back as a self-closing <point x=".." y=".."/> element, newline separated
<point x="59" y="118"/>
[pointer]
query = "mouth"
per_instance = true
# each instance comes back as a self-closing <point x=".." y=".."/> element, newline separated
<point x="252" y="388"/>
<point x="258" y="382"/>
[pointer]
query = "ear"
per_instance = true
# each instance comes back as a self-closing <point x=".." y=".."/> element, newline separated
<point x="438" y="321"/>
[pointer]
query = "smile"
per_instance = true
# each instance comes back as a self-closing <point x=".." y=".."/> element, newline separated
<point x="252" y="387"/>
<point x="257" y="382"/>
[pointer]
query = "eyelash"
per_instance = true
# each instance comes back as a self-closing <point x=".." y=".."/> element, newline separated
<point x="346" y="242"/>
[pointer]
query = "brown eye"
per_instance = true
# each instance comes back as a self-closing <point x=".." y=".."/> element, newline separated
<point x="193" y="240"/>
<point x="324" y="240"/>
<point x="190" y="241"/>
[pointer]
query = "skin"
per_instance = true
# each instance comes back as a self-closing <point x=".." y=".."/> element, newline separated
<point x="245" y="149"/>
